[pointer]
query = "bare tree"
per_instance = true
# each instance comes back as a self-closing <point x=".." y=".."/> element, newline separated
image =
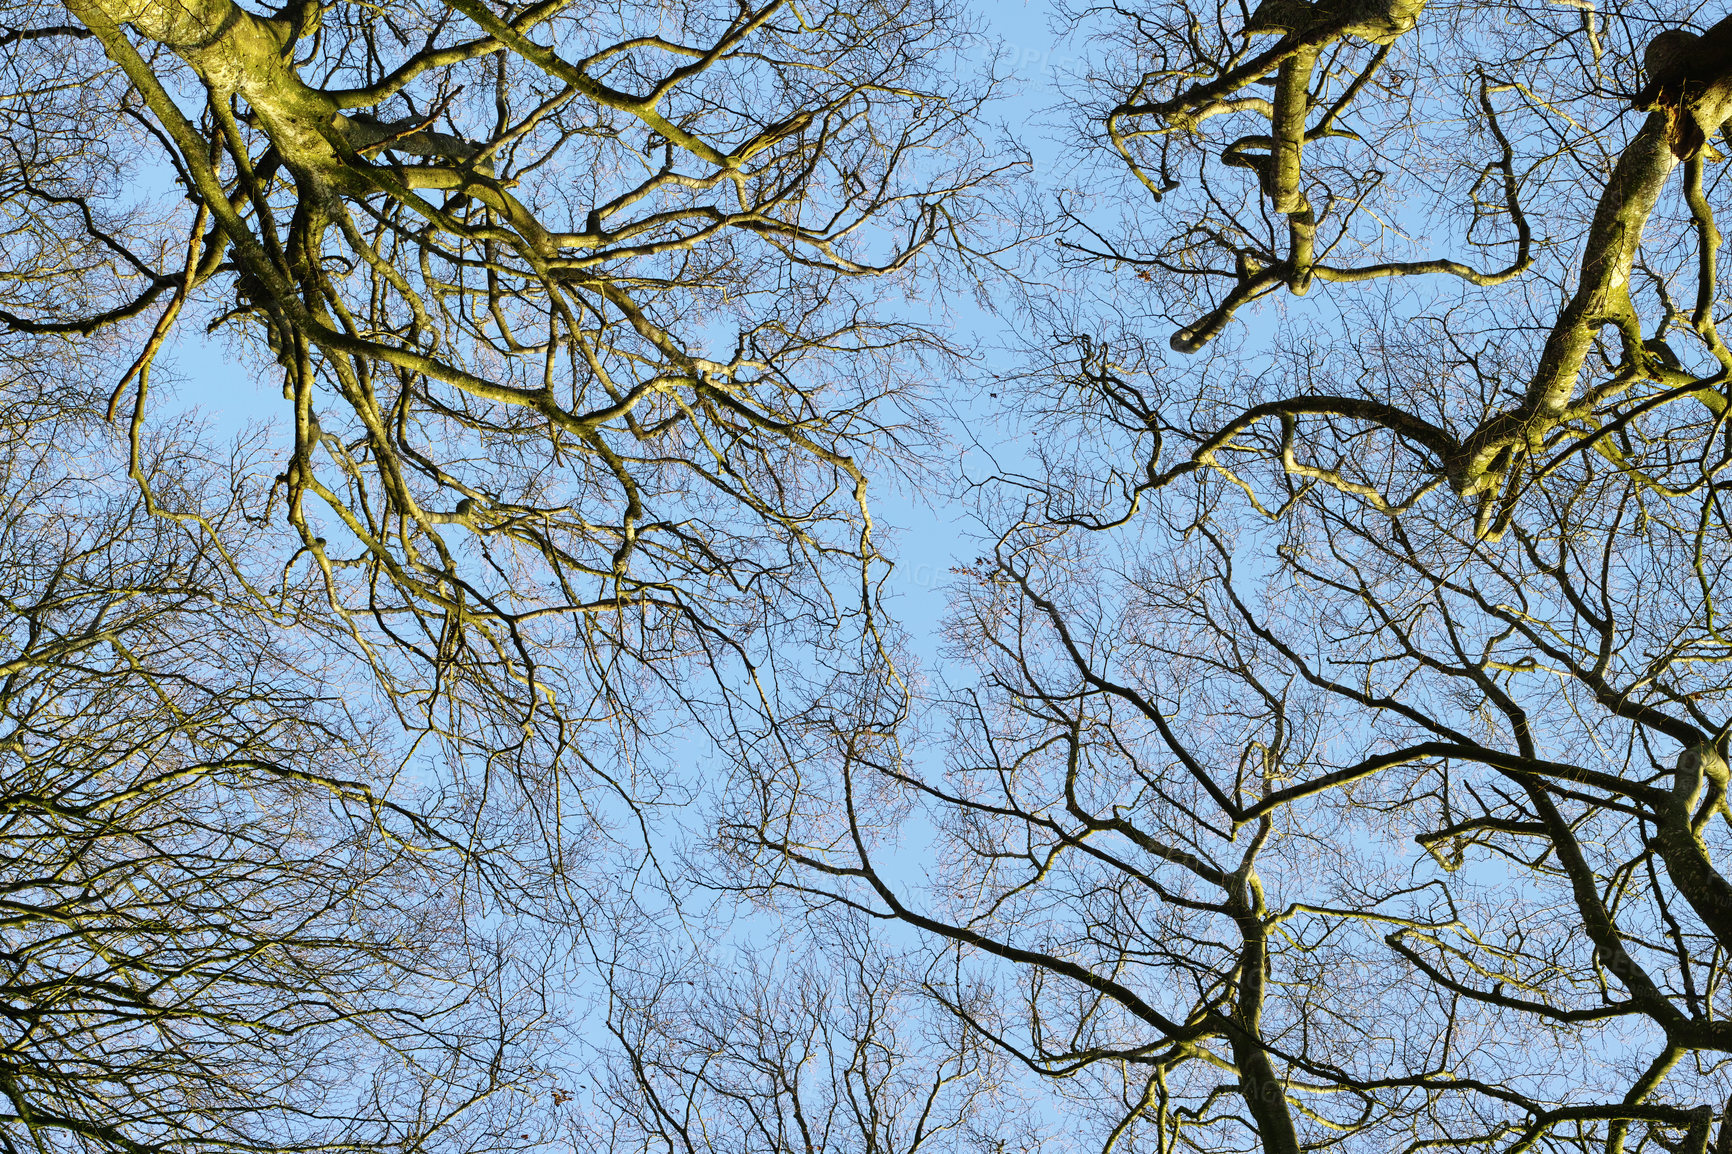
<point x="821" y="1044"/>
<point x="1346" y="758"/>
<point x="1346" y="764"/>
<point x="580" y="310"/>
<point x="224" y="923"/>
<point x="587" y="320"/>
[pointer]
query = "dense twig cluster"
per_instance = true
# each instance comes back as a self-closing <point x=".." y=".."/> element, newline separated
<point x="584" y="320"/>
<point x="1345" y="763"/>
<point x="1334" y="745"/>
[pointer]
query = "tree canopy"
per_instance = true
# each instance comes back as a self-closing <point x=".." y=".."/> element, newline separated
<point x="512" y="744"/>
